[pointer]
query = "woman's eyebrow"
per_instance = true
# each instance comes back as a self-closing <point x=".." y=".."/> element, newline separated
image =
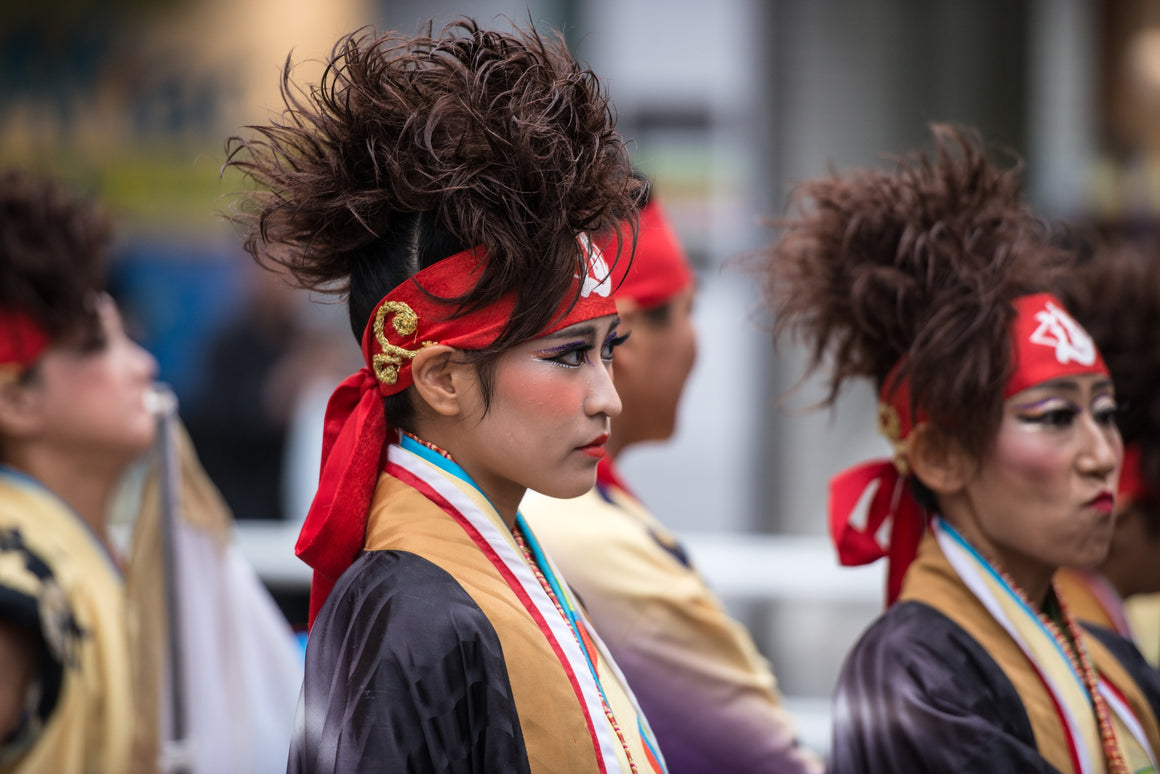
<point x="574" y="332"/>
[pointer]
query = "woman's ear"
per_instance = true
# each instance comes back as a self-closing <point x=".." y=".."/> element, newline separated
<point x="19" y="417"/>
<point x="443" y="381"/>
<point x="938" y="460"/>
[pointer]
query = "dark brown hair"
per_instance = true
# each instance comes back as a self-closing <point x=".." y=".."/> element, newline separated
<point x="53" y="253"/>
<point x="414" y="148"/>
<point x="920" y="262"/>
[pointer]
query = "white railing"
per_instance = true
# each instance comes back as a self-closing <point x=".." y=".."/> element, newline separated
<point x="742" y="566"/>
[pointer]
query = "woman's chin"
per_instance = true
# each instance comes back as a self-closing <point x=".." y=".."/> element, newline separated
<point x="571" y="489"/>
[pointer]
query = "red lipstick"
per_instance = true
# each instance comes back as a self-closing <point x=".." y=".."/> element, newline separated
<point x="1104" y="502"/>
<point x="595" y="447"/>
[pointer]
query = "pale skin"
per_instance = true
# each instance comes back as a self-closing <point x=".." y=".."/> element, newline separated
<point x="74" y="424"/>
<point x="548" y="424"/>
<point x="1043" y="495"/>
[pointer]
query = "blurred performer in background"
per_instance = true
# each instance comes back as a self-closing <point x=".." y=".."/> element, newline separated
<point x="85" y="635"/>
<point x="1116" y="296"/>
<point x="73" y="417"/>
<point x="932" y="280"/>
<point x="709" y="694"/>
<point x="446" y="184"/>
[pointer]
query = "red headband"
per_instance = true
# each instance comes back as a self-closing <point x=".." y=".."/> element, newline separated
<point x="659" y="268"/>
<point x="21" y="340"/>
<point x="872" y="513"/>
<point x="414" y="315"/>
<point x="1133" y="488"/>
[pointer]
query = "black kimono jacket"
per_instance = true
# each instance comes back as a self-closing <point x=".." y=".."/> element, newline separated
<point x="919" y="694"/>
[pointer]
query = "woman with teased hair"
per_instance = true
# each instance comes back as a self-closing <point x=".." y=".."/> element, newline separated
<point x="447" y="185"/>
<point x="1116" y="296"/>
<point x="930" y="281"/>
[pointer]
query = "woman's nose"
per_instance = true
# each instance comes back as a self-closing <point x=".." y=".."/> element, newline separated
<point x="603" y="397"/>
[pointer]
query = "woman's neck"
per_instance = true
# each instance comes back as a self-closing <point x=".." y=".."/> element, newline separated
<point x="1030" y="576"/>
<point x="1035" y="583"/>
<point x="86" y="488"/>
<point x="504" y="499"/>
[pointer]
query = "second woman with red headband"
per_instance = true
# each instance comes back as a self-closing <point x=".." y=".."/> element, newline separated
<point x="928" y="280"/>
<point x="1116" y="295"/>
<point x="447" y="185"/>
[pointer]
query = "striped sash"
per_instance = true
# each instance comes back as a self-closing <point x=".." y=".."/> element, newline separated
<point x="951" y="576"/>
<point x="557" y="691"/>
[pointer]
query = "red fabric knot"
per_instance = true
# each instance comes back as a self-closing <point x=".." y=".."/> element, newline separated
<point x="22" y="341"/>
<point x="873" y="515"/>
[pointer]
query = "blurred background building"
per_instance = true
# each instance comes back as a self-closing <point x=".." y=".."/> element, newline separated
<point x="726" y="104"/>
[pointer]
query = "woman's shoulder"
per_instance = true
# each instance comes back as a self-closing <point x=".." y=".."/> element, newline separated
<point x="1125" y="651"/>
<point x="400" y="645"/>
<point x="909" y="626"/>
<point x="409" y="619"/>
<point x="951" y="706"/>
<point x="398" y="587"/>
<point x="913" y="644"/>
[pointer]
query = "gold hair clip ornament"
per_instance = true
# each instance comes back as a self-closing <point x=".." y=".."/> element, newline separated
<point x="406" y="322"/>
<point x="10" y="372"/>
<point x="890" y="426"/>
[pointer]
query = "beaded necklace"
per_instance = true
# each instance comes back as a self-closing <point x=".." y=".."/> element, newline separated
<point x="533" y="556"/>
<point x="427" y="444"/>
<point x="1067" y="636"/>
<point x="1069" y="639"/>
<point x="571" y="616"/>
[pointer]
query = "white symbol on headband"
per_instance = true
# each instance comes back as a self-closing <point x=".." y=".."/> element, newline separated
<point x="596" y="278"/>
<point x="1057" y="329"/>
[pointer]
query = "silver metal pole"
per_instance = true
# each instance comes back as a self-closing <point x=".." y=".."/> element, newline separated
<point x="175" y="751"/>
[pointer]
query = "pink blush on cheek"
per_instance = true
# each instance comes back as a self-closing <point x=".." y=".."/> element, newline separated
<point x="541" y="384"/>
<point x="1028" y="455"/>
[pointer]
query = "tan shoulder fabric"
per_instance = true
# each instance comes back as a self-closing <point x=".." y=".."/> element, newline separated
<point x="1079" y="598"/>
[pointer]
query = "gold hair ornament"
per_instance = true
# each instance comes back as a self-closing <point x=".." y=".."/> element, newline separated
<point x="10" y="372"/>
<point x="387" y="364"/>
<point x="890" y="426"/>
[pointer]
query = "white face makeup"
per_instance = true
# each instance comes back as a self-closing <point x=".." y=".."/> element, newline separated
<point x="1044" y="495"/>
<point x="552" y="402"/>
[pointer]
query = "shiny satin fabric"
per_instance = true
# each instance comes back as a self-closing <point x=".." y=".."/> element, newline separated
<point x="933" y="687"/>
<point x="404" y="672"/>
